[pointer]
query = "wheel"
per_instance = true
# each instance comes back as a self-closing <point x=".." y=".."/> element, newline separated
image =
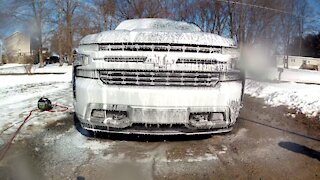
<point x="80" y="129"/>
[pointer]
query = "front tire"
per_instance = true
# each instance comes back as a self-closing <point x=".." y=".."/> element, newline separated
<point x="80" y="129"/>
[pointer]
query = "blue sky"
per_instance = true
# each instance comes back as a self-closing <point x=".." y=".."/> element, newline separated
<point x="316" y="6"/>
<point x="314" y="20"/>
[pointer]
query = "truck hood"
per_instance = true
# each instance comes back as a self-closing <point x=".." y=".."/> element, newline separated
<point x="158" y="36"/>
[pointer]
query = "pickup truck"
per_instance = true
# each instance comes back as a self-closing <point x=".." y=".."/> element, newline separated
<point x="157" y="76"/>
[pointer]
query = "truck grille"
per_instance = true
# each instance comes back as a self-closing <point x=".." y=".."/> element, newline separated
<point x="197" y="61"/>
<point x="158" y="78"/>
<point x="159" y="47"/>
<point x="125" y="59"/>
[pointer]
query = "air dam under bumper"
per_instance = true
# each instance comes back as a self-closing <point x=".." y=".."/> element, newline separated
<point x="158" y="111"/>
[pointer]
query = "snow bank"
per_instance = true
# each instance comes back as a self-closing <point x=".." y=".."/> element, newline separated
<point x="300" y="75"/>
<point x="8" y="81"/>
<point x="157" y="31"/>
<point x="15" y="80"/>
<point x="19" y="68"/>
<point x="5" y="66"/>
<point x="305" y="98"/>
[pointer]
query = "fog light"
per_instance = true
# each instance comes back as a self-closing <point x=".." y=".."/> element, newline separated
<point x="116" y="115"/>
<point x="216" y="117"/>
<point x="117" y="119"/>
<point x="207" y="120"/>
<point x="98" y="113"/>
<point x="200" y="116"/>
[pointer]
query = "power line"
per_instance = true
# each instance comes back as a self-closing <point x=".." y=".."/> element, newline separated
<point x="262" y="7"/>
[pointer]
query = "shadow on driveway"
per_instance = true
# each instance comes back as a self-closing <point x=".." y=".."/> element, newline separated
<point x="280" y="129"/>
<point x="297" y="148"/>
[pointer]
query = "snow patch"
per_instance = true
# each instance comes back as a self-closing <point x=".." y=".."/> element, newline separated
<point x="295" y="75"/>
<point x="205" y="157"/>
<point x="305" y="98"/>
<point x="291" y="115"/>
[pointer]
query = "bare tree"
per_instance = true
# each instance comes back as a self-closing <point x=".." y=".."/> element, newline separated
<point x="60" y="31"/>
<point x="106" y="10"/>
<point x="69" y="8"/>
<point x="231" y="23"/>
<point x="129" y="9"/>
<point x="246" y="21"/>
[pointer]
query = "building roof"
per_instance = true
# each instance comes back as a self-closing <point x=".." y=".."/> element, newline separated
<point x="13" y="34"/>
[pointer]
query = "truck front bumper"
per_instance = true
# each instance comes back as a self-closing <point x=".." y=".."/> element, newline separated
<point x="157" y="110"/>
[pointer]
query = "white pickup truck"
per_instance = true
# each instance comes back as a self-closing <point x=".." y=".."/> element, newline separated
<point x="157" y="76"/>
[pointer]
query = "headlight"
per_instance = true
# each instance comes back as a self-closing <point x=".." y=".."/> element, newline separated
<point x="81" y="60"/>
<point x="86" y="73"/>
<point x="231" y="51"/>
<point x="236" y="64"/>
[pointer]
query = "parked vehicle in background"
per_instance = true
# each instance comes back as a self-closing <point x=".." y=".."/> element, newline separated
<point x="53" y="59"/>
<point x="157" y="76"/>
<point x="309" y="66"/>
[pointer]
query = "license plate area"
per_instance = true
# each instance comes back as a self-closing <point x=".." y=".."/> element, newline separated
<point x="151" y="115"/>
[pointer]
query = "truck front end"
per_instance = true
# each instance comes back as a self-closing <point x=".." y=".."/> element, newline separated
<point x="157" y="88"/>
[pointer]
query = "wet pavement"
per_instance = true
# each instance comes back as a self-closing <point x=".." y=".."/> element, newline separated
<point x="266" y="143"/>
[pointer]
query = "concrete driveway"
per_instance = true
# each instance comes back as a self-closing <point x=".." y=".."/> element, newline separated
<point x="266" y="143"/>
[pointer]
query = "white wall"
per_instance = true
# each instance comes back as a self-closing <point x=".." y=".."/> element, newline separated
<point x="17" y="44"/>
<point x="294" y="62"/>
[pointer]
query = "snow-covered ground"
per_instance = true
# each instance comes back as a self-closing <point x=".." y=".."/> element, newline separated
<point x="296" y="75"/>
<point x="289" y="75"/>
<point x="7" y="66"/>
<point x="305" y="98"/>
<point x="19" y="94"/>
<point x="20" y="68"/>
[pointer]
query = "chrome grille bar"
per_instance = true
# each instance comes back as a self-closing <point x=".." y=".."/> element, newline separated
<point x="158" y="78"/>
<point x="125" y="59"/>
<point x="160" y="47"/>
<point x="197" y="61"/>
